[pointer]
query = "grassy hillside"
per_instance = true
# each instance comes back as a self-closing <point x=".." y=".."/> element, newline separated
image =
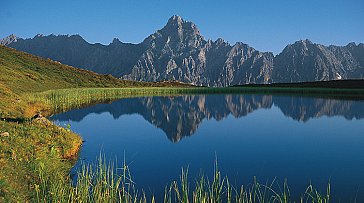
<point x="24" y="73"/>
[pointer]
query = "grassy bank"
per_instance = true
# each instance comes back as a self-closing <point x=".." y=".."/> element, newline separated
<point x="108" y="182"/>
<point x="27" y="146"/>
<point x="54" y="101"/>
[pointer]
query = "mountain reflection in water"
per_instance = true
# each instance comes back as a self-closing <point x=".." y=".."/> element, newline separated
<point x="180" y="116"/>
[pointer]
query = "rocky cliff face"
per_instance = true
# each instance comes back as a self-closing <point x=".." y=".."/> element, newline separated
<point x="305" y="61"/>
<point x="351" y="58"/>
<point x="179" y="52"/>
<point x="8" y="40"/>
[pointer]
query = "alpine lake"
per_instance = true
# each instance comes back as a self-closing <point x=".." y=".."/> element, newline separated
<point x="299" y="139"/>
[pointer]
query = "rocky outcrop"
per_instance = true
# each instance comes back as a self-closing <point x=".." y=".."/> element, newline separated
<point x="351" y="58"/>
<point x="179" y="52"/>
<point x="305" y="61"/>
<point x="8" y="40"/>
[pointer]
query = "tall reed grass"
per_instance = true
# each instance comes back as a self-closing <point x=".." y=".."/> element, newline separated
<point x="106" y="182"/>
<point x="67" y="99"/>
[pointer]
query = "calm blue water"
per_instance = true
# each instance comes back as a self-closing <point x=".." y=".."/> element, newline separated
<point x="302" y="139"/>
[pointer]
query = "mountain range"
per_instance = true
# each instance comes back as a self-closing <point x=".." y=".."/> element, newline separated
<point x="179" y="52"/>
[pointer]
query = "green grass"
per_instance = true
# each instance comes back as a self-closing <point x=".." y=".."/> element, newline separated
<point x="106" y="182"/>
<point x="29" y="145"/>
<point x="66" y="99"/>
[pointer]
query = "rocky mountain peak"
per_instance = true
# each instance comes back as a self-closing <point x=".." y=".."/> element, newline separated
<point x="304" y="41"/>
<point x="38" y="35"/>
<point x="241" y="44"/>
<point x="175" y="19"/>
<point x="76" y="37"/>
<point x="175" y="36"/>
<point x="116" y="41"/>
<point x="12" y="37"/>
<point x="301" y="46"/>
<point x="8" y="40"/>
<point x="220" y="41"/>
<point x="351" y="44"/>
<point x="176" y="25"/>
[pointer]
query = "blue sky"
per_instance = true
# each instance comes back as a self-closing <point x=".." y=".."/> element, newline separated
<point x="265" y="25"/>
